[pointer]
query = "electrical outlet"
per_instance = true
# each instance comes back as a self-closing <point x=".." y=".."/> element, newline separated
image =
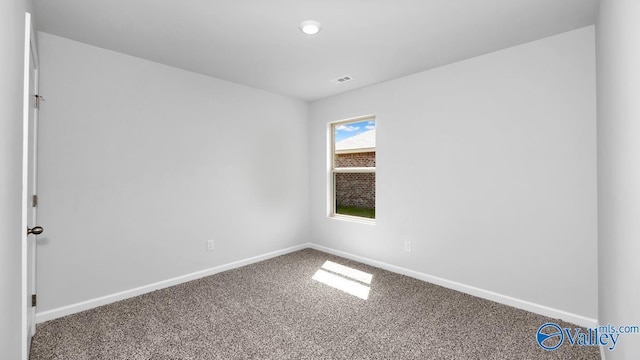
<point x="211" y="245"/>
<point x="407" y="245"/>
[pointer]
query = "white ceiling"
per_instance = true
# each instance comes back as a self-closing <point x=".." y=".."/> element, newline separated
<point x="257" y="42"/>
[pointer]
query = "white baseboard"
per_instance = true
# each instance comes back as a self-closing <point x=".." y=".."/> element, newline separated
<point x="467" y="289"/>
<point x="108" y="299"/>
<point x="471" y="290"/>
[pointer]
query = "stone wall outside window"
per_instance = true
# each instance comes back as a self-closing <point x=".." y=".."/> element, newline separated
<point x="356" y="189"/>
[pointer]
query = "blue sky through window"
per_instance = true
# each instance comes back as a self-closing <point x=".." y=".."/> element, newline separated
<point x="345" y="131"/>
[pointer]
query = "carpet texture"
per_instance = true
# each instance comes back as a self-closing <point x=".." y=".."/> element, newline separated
<point x="275" y="310"/>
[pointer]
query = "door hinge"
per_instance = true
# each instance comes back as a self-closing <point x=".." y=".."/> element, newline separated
<point x="34" y="201"/>
<point x="33" y="300"/>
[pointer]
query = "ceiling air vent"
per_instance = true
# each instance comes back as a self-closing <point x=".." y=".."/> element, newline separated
<point x="342" y="79"/>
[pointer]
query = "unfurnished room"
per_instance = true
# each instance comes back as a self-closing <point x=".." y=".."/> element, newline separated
<point x="319" y="179"/>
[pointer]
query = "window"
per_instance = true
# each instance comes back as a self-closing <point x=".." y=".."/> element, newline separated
<point x="353" y="168"/>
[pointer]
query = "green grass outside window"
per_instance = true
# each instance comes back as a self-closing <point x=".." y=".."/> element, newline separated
<point x="354" y="211"/>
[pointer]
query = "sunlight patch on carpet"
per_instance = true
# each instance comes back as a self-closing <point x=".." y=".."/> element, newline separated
<point x="349" y="280"/>
<point x="349" y="272"/>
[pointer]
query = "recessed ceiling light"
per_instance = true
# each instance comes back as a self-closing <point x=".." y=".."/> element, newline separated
<point x="310" y="27"/>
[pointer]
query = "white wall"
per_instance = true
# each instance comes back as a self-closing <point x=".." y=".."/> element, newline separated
<point x="141" y="163"/>
<point x="12" y="18"/>
<point x="488" y="166"/>
<point x="618" y="54"/>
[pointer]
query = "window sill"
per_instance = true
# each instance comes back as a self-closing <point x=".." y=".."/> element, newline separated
<point x="355" y="219"/>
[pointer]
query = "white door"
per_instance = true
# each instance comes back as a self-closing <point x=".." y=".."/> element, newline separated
<point x="29" y="177"/>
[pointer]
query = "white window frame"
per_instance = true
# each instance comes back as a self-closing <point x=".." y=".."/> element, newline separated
<point x="332" y="170"/>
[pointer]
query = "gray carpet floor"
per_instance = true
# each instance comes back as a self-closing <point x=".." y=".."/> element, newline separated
<point x="275" y="310"/>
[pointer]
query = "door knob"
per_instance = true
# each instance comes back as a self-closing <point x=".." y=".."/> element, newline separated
<point x="36" y="230"/>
